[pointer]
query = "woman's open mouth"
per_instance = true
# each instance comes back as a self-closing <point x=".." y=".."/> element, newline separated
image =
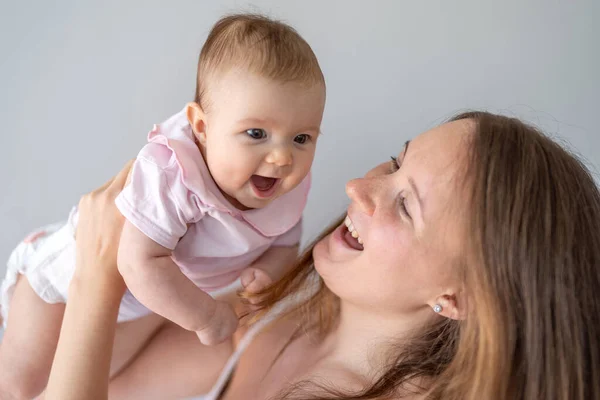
<point x="264" y="186"/>
<point x="351" y="236"/>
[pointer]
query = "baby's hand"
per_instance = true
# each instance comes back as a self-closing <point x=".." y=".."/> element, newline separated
<point x="254" y="280"/>
<point x="221" y="327"/>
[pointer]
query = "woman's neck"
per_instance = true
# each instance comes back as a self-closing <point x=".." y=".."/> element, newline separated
<point x="363" y="339"/>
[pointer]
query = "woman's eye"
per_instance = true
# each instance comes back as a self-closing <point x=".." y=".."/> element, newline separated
<point x="301" y="139"/>
<point x="403" y="207"/>
<point x="394" y="165"/>
<point x="256" y="133"/>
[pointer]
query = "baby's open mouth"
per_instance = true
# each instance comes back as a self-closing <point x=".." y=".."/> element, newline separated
<point x="264" y="186"/>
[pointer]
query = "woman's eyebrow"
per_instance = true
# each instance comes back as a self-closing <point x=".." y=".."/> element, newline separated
<point x="405" y="149"/>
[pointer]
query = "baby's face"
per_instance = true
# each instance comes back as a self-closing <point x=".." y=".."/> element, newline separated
<point x="259" y="135"/>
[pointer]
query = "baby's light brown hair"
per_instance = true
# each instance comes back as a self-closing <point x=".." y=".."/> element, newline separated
<point x="261" y="45"/>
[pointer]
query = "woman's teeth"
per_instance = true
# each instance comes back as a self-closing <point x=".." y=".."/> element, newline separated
<point x="353" y="232"/>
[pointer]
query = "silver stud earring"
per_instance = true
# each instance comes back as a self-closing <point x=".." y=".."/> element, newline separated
<point x="437" y="308"/>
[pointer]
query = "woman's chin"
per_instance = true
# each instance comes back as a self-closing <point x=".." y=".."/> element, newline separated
<point x="320" y="251"/>
<point x="330" y="254"/>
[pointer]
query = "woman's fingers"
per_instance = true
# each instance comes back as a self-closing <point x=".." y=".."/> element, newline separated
<point x="105" y="186"/>
<point x="98" y="213"/>
<point x="99" y="228"/>
<point x="118" y="182"/>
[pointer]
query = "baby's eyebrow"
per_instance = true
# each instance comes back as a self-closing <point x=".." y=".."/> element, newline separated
<point x="256" y="121"/>
<point x="313" y="129"/>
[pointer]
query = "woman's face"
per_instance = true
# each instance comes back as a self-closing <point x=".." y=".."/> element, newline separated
<point x="409" y="215"/>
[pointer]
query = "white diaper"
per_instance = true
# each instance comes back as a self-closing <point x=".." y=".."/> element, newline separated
<point x="47" y="259"/>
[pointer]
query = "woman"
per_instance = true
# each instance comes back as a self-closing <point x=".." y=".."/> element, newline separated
<point x="468" y="268"/>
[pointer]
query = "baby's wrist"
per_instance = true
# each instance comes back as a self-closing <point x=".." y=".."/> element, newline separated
<point x="206" y="315"/>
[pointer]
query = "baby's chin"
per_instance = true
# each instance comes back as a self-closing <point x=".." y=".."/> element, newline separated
<point x="255" y="203"/>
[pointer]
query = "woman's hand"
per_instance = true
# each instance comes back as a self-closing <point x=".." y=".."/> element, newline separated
<point x="98" y="234"/>
<point x="81" y="364"/>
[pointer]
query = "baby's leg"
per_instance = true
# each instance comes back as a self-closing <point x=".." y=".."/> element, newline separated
<point x="29" y="343"/>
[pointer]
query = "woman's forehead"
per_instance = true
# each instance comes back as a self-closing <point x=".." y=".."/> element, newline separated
<point x="436" y="161"/>
<point x="443" y="138"/>
<point x="441" y="150"/>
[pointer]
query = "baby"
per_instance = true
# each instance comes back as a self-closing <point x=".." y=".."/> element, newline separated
<point x="215" y="197"/>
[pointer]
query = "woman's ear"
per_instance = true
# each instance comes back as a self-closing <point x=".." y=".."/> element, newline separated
<point x="197" y="119"/>
<point x="453" y="306"/>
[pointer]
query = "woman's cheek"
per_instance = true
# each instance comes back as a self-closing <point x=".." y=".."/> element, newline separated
<point x="390" y="245"/>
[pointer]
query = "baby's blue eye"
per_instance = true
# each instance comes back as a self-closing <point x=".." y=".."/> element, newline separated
<point x="256" y="133"/>
<point x="301" y="139"/>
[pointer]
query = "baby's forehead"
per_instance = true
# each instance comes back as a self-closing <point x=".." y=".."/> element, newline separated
<point x="239" y="82"/>
<point x="246" y="96"/>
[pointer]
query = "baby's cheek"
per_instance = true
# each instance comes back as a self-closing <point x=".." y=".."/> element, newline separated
<point x="233" y="174"/>
<point x="288" y="186"/>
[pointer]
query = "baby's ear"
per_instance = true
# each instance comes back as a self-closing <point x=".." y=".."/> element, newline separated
<point x="196" y="117"/>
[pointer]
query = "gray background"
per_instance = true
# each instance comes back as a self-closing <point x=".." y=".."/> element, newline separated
<point x="81" y="83"/>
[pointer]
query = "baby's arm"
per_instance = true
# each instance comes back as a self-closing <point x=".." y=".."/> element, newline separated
<point x="269" y="268"/>
<point x="158" y="283"/>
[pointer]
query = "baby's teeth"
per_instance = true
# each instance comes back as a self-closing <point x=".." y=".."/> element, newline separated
<point x="354" y="234"/>
<point x="360" y="241"/>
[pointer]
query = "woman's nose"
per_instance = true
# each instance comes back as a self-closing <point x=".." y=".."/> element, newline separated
<point x="362" y="192"/>
<point x="280" y="156"/>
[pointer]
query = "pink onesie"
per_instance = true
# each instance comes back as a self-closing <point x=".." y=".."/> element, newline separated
<point x="174" y="201"/>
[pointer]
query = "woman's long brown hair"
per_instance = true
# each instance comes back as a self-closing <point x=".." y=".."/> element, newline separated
<point x="532" y="276"/>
